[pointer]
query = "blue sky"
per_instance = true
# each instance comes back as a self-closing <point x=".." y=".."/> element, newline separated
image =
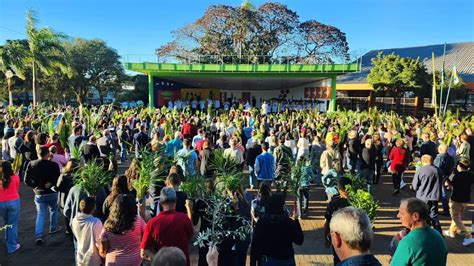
<point x="140" y="26"/>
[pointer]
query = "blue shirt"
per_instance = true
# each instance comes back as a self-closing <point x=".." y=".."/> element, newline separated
<point x="265" y="166"/>
<point x="187" y="160"/>
<point x="172" y="146"/>
<point x="366" y="260"/>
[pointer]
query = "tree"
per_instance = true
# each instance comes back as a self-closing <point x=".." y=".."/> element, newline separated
<point x="45" y="54"/>
<point x="245" y="34"/>
<point x="395" y="75"/>
<point x="140" y="91"/>
<point x="321" y="43"/>
<point x="94" y="65"/>
<point x="12" y="58"/>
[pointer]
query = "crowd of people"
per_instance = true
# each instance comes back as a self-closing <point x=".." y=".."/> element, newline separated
<point x="112" y="227"/>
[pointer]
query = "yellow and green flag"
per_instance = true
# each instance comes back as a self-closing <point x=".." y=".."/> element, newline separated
<point x="455" y="76"/>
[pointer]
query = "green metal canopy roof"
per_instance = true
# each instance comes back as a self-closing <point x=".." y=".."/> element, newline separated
<point x="231" y="76"/>
<point x="241" y="70"/>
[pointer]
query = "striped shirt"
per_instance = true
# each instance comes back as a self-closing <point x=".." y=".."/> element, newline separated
<point x="124" y="249"/>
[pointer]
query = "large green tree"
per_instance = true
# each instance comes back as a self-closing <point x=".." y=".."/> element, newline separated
<point x="245" y="34"/>
<point x="395" y="75"/>
<point x="94" y="65"/>
<point x="45" y="54"/>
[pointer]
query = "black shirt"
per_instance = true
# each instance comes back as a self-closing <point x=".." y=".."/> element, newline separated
<point x="462" y="182"/>
<point x="368" y="158"/>
<point x="181" y="198"/>
<point x="90" y="152"/>
<point x="274" y="236"/>
<point x="335" y="204"/>
<point x="39" y="173"/>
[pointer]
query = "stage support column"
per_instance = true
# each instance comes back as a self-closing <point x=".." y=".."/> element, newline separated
<point x="151" y="96"/>
<point x="332" y="103"/>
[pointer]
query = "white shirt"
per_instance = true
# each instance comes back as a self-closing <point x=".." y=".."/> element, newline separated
<point x="87" y="229"/>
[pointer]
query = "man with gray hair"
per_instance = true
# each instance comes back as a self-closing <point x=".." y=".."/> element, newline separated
<point x="169" y="256"/>
<point x="445" y="164"/>
<point x="427" y="185"/>
<point x="423" y="245"/>
<point x="351" y="237"/>
<point x="168" y="229"/>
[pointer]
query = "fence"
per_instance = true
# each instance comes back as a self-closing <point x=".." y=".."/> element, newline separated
<point x="407" y="105"/>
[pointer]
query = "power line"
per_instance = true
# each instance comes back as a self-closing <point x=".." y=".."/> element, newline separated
<point x="21" y="33"/>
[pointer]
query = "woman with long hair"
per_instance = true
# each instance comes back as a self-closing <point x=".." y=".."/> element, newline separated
<point x="10" y="204"/>
<point x="258" y="205"/>
<point x="119" y="186"/>
<point x="379" y="158"/>
<point x="65" y="183"/>
<point x="123" y="230"/>
<point x="398" y="156"/>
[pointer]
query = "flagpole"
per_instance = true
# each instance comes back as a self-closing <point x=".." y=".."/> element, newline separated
<point x="442" y="82"/>
<point x="433" y="100"/>
<point x="453" y="73"/>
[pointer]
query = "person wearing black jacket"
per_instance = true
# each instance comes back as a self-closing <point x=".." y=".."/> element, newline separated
<point x="91" y="151"/>
<point x="252" y="153"/>
<point x="445" y="163"/>
<point x="353" y="151"/>
<point x="65" y="183"/>
<point x="379" y="158"/>
<point x="428" y="147"/>
<point x="42" y="175"/>
<point x="274" y="235"/>
<point x="461" y="184"/>
<point x="140" y="140"/>
<point x="367" y="162"/>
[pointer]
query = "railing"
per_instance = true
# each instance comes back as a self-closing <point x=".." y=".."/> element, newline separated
<point x="228" y="59"/>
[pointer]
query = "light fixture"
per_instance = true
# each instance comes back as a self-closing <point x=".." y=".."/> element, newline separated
<point x="9" y="74"/>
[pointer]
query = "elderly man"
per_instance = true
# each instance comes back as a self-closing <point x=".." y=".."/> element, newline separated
<point x="445" y="163"/>
<point x="427" y="185"/>
<point x="168" y="229"/>
<point x="351" y="237"/>
<point x="423" y="245"/>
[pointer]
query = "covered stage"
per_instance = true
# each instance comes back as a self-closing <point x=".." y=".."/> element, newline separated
<point x="168" y="81"/>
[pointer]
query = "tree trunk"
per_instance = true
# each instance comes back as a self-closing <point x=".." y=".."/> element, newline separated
<point x="10" y="96"/>
<point x="34" y="85"/>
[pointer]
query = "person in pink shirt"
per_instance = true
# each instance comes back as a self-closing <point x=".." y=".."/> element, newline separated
<point x="122" y="233"/>
<point x="57" y="158"/>
<point x="10" y="204"/>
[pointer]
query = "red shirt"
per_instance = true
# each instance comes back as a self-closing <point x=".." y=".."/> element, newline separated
<point x="11" y="192"/>
<point x="199" y="145"/>
<point x="168" y="229"/>
<point x="398" y="156"/>
<point x="58" y="146"/>
<point x="187" y="131"/>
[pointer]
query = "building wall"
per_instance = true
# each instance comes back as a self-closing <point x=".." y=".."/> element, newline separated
<point x="295" y="93"/>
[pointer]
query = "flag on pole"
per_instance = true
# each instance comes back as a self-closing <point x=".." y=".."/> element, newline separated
<point x="455" y="76"/>
<point x="433" y="95"/>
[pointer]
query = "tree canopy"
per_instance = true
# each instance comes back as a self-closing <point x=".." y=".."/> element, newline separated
<point x="64" y="68"/>
<point x="395" y="75"/>
<point x="245" y="34"/>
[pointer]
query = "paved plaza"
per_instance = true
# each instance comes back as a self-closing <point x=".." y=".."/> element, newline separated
<point x="58" y="250"/>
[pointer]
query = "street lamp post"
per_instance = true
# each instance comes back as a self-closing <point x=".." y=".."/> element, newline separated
<point x="9" y="75"/>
